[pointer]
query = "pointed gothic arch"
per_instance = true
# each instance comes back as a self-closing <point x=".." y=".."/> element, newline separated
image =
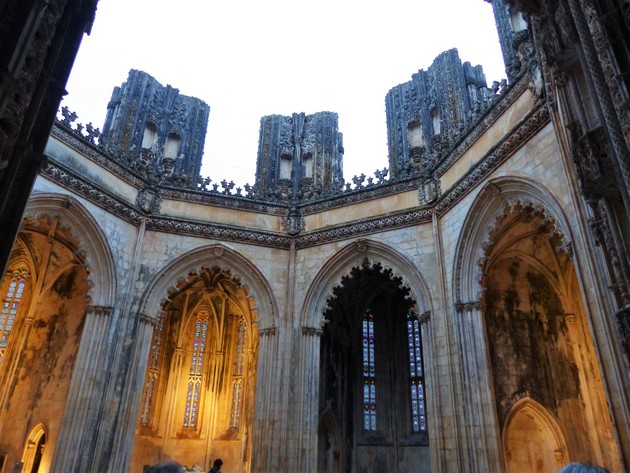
<point x="339" y="265"/>
<point x="490" y="205"/>
<point x="519" y="311"/>
<point x="202" y="364"/>
<point x="331" y="444"/>
<point x="88" y="237"/>
<point x="532" y="433"/>
<point x="251" y="278"/>
<point x="405" y="293"/>
<point x="34" y="449"/>
<point x="72" y="265"/>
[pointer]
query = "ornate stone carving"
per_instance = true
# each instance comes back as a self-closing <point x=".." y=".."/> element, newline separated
<point x="432" y="108"/>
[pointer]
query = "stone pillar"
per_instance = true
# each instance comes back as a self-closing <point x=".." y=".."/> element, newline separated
<point x="265" y="447"/>
<point x="79" y="427"/>
<point x="131" y="396"/>
<point x="482" y="431"/>
<point x="307" y="400"/>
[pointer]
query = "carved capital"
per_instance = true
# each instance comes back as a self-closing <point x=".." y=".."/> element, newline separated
<point x="100" y="310"/>
<point x="312" y="331"/>
<point x="424" y="317"/>
<point x="267" y="332"/>
<point x="147" y="319"/>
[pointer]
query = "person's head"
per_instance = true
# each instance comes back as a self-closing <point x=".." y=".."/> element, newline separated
<point x="217" y="464"/>
<point x="166" y="467"/>
<point x="577" y="467"/>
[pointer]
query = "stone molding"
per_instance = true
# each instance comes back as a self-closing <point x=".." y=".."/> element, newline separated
<point x="76" y="141"/>
<point x="366" y="227"/>
<point x="534" y="121"/>
<point x="267" y="332"/>
<point x="312" y="331"/>
<point x="148" y="320"/>
<point x="187" y="227"/>
<point x="505" y="101"/>
<point x="100" y="310"/>
<point x="68" y="179"/>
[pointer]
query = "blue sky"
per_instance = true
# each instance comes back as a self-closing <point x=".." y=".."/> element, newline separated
<point x="249" y="58"/>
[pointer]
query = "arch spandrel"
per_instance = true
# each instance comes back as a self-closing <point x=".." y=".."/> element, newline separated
<point x="354" y="255"/>
<point x="79" y="230"/>
<point x="177" y="271"/>
<point x="499" y="201"/>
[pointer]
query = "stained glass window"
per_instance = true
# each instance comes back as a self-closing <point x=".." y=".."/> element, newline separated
<point x="369" y="373"/>
<point x="416" y="373"/>
<point x="152" y="375"/>
<point x="9" y="311"/>
<point x="237" y="382"/>
<point x="193" y="393"/>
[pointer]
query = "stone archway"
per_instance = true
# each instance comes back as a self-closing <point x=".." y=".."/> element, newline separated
<point x="521" y="315"/>
<point x="34" y="450"/>
<point x="200" y="375"/>
<point x="44" y="357"/>
<point x="372" y="380"/>
<point x="330" y="446"/>
<point x="533" y="441"/>
<point x="199" y="389"/>
<point x="362" y="253"/>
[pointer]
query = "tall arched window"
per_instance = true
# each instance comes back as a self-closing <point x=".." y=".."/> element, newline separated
<point x="10" y="306"/>
<point x="152" y="376"/>
<point x="416" y="373"/>
<point x="369" y="373"/>
<point x="193" y="392"/>
<point x="237" y="377"/>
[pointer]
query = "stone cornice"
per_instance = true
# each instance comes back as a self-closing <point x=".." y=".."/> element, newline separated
<point x="361" y="195"/>
<point x="492" y="115"/>
<point x="531" y="123"/>
<point x="98" y="196"/>
<point x="223" y="200"/>
<point x="219" y="232"/>
<point x="81" y="144"/>
<point x="364" y="227"/>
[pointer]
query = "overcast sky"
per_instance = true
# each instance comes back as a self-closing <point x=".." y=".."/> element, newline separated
<point x="252" y="58"/>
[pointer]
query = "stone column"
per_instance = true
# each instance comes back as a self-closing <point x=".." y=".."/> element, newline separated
<point x="265" y="447"/>
<point x="77" y="436"/>
<point x="482" y="431"/>
<point x="132" y="396"/>
<point x="307" y="400"/>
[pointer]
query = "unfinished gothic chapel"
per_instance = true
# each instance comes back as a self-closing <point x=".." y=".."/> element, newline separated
<point x="465" y="310"/>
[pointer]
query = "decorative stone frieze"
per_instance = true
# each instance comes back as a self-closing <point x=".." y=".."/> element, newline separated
<point x="366" y="227"/>
<point x="533" y="122"/>
<point x="82" y="187"/>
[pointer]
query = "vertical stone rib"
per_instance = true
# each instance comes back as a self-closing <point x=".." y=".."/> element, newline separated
<point x="263" y="442"/>
<point x="78" y="429"/>
<point x="130" y="402"/>
<point x="308" y="407"/>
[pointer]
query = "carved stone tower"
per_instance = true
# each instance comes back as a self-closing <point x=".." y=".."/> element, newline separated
<point x="513" y="37"/>
<point x="155" y="128"/>
<point x="430" y="112"/>
<point x="299" y="155"/>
